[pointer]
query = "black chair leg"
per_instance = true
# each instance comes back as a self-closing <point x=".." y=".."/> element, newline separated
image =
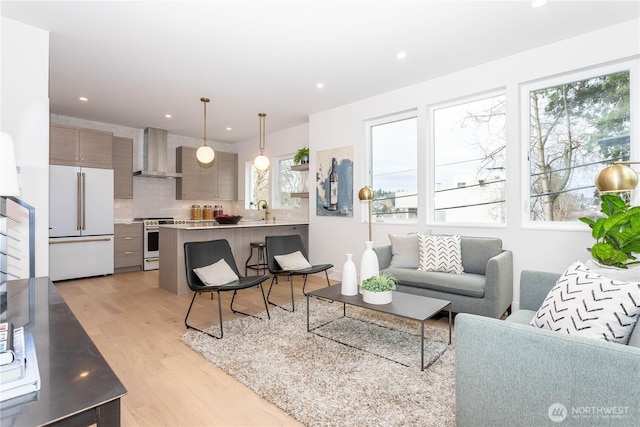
<point x="274" y="304"/>
<point x="247" y="314"/>
<point x="200" y="330"/>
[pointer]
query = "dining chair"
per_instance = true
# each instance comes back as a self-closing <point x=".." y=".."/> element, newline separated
<point x="202" y="254"/>
<point x="285" y="245"/>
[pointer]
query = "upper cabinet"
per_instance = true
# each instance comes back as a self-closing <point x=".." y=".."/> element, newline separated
<point x="71" y="146"/>
<point x="218" y="181"/>
<point x="122" y="168"/>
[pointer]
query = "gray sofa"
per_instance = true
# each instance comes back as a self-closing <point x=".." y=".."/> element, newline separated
<point x="509" y="373"/>
<point x="485" y="287"/>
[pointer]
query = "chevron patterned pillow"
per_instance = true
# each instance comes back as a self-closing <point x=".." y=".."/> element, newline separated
<point x="587" y="304"/>
<point x="440" y="253"/>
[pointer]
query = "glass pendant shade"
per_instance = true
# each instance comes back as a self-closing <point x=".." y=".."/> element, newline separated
<point x="261" y="162"/>
<point x="616" y="178"/>
<point x="205" y="154"/>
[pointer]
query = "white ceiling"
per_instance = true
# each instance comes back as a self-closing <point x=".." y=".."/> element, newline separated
<point x="137" y="61"/>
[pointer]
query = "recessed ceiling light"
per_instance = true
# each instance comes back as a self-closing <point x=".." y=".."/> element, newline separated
<point x="229" y="128"/>
<point x="319" y="85"/>
<point x="83" y="98"/>
<point x="538" y="3"/>
<point x="168" y="116"/>
<point x="401" y="55"/>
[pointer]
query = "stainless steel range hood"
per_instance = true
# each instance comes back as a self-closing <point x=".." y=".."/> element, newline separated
<point x="155" y="155"/>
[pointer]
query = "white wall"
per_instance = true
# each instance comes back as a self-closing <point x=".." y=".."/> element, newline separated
<point x="544" y="248"/>
<point x="24" y="114"/>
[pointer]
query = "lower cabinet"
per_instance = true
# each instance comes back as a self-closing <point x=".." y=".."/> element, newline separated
<point x="127" y="247"/>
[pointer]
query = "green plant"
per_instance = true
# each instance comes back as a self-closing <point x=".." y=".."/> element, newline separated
<point x="301" y="155"/>
<point x="617" y="234"/>
<point x="382" y="283"/>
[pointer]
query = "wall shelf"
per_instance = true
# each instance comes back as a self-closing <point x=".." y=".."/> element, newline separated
<point x="303" y="167"/>
<point x="303" y="195"/>
<point x="300" y="167"/>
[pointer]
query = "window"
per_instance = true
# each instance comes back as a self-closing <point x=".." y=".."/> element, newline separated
<point x="576" y="127"/>
<point x="394" y="168"/>
<point x="469" y="161"/>
<point x="258" y="185"/>
<point x="288" y="182"/>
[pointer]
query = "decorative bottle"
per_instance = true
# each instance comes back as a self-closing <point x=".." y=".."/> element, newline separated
<point x="349" y="277"/>
<point x="333" y="186"/>
<point x="369" y="266"/>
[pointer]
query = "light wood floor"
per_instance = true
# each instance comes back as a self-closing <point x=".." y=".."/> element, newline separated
<point x="137" y="327"/>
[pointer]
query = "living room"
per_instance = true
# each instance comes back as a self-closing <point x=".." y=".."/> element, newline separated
<point x="542" y="246"/>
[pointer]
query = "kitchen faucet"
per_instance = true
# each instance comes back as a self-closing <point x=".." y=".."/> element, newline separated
<point x="266" y="209"/>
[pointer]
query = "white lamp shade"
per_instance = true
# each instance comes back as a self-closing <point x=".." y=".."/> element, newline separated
<point x="261" y="162"/>
<point x="205" y="154"/>
<point x="8" y="170"/>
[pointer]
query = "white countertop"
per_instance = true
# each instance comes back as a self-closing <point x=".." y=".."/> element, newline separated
<point x="208" y="225"/>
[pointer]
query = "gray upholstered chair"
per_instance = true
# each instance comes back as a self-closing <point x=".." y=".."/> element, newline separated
<point x="200" y="254"/>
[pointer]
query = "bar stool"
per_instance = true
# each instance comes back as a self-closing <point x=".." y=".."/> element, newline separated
<point x="261" y="263"/>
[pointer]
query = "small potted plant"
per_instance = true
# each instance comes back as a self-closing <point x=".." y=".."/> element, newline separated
<point x="302" y="156"/>
<point x="378" y="289"/>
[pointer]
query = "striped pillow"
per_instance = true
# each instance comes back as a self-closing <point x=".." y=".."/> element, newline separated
<point x="440" y="253"/>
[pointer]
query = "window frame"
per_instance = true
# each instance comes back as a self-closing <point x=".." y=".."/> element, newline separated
<point x="430" y="158"/>
<point x="525" y="115"/>
<point x="412" y="113"/>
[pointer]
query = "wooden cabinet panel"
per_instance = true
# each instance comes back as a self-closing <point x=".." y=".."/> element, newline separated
<point x="122" y="168"/>
<point x="218" y="181"/>
<point x="227" y="176"/>
<point x="63" y="145"/>
<point x="71" y="146"/>
<point x="127" y="247"/>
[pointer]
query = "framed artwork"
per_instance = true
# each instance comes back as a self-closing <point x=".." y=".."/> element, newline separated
<point x="334" y="182"/>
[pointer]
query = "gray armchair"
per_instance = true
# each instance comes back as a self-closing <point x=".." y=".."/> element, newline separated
<point x="509" y="373"/>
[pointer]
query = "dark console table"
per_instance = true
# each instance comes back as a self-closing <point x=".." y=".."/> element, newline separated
<point x="77" y="385"/>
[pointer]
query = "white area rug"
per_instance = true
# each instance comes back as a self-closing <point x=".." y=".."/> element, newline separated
<point x="324" y="383"/>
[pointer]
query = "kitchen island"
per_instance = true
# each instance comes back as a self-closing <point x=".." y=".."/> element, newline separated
<point x="172" y="238"/>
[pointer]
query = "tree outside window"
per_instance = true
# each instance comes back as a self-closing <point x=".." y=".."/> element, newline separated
<point x="575" y="130"/>
<point x="469" y="160"/>
<point x="288" y="182"/>
<point x="258" y="186"/>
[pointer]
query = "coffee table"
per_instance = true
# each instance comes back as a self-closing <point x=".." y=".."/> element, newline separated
<point x="405" y="305"/>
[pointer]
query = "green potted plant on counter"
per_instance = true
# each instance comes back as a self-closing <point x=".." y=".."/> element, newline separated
<point x="378" y="289"/>
<point x="302" y="156"/>
<point x="617" y="234"/>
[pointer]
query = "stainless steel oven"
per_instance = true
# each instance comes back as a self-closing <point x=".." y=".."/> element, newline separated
<point x="151" y="240"/>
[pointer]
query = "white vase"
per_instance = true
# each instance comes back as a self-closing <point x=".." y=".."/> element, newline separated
<point x="377" y="297"/>
<point x="349" y="277"/>
<point x="369" y="266"/>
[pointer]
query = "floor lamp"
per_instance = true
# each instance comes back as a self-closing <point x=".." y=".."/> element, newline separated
<point x="617" y="178"/>
<point x="366" y="195"/>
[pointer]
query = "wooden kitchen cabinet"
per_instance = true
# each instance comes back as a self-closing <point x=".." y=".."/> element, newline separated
<point x="127" y="247"/>
<point x="71" y="146"/>
<point x="122" y="168"/>
<point x="218" y="181"/>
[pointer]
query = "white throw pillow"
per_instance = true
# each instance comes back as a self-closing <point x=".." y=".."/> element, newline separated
<point x="216" y="274"/>
<point x="440" y="253"/>
<point x="292" y="261"/>
<point x="587" y="304"/>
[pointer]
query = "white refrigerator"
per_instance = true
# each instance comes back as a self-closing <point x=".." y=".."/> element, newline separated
<point x="80" y="222"/>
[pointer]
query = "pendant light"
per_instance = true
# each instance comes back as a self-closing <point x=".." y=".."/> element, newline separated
<point x="261" y="162"/>
<point x="205" y="154"/>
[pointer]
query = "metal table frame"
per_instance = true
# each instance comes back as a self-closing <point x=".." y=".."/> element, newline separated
<point x="414" y="307"/>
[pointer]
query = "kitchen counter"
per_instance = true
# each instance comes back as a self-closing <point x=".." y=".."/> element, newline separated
<point x="172" y="274"/>
<point x="202" y="225"/>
